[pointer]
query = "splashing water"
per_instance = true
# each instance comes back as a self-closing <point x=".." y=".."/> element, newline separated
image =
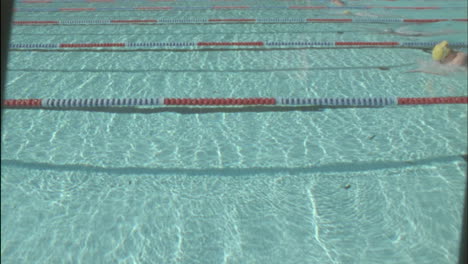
<point x="433" y="67"/>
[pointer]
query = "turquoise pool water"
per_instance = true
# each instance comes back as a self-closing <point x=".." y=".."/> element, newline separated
<point x="216" y="186"/>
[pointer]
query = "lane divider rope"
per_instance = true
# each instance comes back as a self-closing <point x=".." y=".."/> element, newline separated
<point x="230" y="20"/>
<point x="248" y="43"/>
<point x="120" y="1"/>
<point x="159" y="8"/>
<point x="161" y="101"/>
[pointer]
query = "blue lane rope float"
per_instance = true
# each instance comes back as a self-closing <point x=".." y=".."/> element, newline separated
<point x="243" y="43"/>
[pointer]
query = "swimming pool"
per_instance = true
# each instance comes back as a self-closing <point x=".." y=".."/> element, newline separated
<point x="231" y="184"/>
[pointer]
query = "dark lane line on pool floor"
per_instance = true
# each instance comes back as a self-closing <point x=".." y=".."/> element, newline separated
<point x="342" y="167"/>
<point x="378" y="67"/>
<point x="187" y="110"/>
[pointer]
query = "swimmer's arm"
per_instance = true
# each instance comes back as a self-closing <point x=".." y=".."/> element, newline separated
<point x="429" y="72"/>
<point x="460" y="59"/>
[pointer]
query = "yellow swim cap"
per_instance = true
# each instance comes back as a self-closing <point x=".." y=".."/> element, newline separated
<point x="440" y="51"/>
<point x="347" y="12"/>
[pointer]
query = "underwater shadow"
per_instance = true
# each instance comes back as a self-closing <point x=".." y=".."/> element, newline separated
<point x="329" y="168"/>
<point x="378" y="67"/>
<point x="190" y="110"/>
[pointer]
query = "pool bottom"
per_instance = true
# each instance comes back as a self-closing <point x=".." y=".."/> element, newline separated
<point x="403" y="212"/>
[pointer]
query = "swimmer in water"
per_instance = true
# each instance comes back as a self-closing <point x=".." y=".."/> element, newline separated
<point x="361" y="14"/>
<point x="402" y="32"/>
<point x="338" y="2"/>
<point x="443" y="54"/>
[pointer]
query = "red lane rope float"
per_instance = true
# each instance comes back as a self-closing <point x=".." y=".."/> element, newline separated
<point x="436" y="100"/>
<point x="424" y="20"/>
<point x="35" y="22"/>
<point x="412" y="7"/>
<point x="22" y="103"/>
<point x="318" y="102"/>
